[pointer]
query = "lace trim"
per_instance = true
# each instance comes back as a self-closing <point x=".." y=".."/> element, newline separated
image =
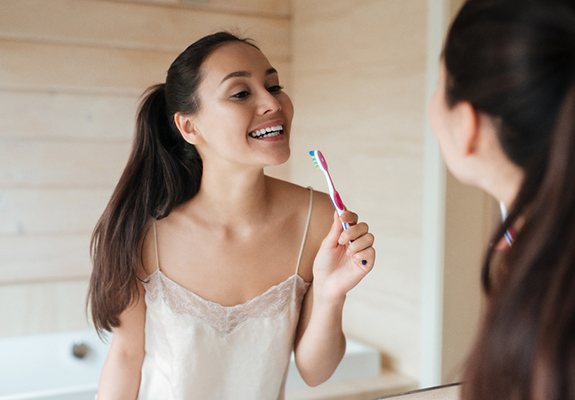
<point x="224" y="319"/>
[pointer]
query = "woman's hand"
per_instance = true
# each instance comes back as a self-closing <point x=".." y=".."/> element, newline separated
<point x="343" y="259"/>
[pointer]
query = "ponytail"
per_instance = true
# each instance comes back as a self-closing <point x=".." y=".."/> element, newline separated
<point x="527" y="349"/>
<point x="163" y="171"/>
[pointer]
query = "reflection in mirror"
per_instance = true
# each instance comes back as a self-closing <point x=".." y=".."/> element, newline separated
<point x="357" y="73"/>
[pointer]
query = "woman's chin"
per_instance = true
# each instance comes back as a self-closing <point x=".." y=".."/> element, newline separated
<point x="279" y="158"/>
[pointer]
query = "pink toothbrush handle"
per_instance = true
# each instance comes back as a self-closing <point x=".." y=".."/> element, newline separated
<point x="340" y="208"/>
<point x="337" y="202"/>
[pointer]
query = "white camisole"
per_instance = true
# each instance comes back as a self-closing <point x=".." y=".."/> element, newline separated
<point x="199" y="349"/>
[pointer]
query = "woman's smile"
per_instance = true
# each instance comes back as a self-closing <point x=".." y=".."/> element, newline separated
<point x="272" y="131"/>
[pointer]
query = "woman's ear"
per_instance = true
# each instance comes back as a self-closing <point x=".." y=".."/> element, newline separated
<point x="466" y="127"/>
<point x="187" y="127"/>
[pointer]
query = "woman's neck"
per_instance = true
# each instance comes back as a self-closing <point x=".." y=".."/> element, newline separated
<point x="503" y="183"/>
<point x="493" y="171"/>
<point x="233" y="197"/>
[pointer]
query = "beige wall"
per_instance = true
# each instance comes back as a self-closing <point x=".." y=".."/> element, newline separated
<point x="466" y="234"/>
<point x="358" y="72"/>
<point x="359" y="92"/>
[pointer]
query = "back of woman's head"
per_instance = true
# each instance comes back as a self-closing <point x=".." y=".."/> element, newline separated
<point x="514" y="60"/>
<point x="163" y="171"/>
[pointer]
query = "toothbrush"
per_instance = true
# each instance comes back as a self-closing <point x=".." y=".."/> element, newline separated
<point x="320" y="162"/>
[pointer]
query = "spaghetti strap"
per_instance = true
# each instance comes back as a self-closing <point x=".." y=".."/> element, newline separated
<point x="156" y="245"/>
<point x="310" y="206"/>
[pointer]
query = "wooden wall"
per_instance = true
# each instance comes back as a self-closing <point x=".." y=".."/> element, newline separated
<point x="71" y="72"/>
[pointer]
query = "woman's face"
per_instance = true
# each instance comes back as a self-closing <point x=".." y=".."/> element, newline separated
<point x="244" y="115"/>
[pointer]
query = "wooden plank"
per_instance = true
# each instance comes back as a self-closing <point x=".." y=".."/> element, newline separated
<point x="70" y="68"/>
<point x="279" y="8"/>
<point x="51" y="211"/>
<point x="49" y="115"/>
<point x="41" y="258"/>
<point x="129" y="25"/>
<point x="50" y="67"/>
<point x="27" y="164"/>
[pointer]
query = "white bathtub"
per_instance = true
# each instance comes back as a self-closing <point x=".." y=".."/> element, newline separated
<point x="43" y="367"/>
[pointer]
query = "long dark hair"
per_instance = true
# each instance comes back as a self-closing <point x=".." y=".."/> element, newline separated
<point x="515" y="61"/>
<point x="163" y="171"/>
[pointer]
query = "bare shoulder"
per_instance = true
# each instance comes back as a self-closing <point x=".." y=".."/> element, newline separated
<point x="319" y="226"/>
<point x="297" y="196"/>
<point x="322" y="217"/>
<point x="287" y="192"/>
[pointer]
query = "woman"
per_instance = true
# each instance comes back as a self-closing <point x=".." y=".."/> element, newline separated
<point x="201" y="261"/>
<point x="504" y="116"/>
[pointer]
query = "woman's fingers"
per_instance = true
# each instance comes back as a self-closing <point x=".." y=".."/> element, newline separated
<point x="353" y="233"/>
<point x="365" y="258"/>
<point x="361" y="243"/>
<point x="358" y="239"/>
<point x="349" y="217"/>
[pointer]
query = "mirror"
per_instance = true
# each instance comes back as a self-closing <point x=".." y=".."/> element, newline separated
<point x="359" y="74"/>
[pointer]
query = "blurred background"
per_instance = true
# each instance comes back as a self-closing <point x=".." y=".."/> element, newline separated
<point x="360" y="74"/>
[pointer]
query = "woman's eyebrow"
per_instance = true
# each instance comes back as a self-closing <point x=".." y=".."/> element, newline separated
<point x="246" y="74"/>
<point x="236" y="74"/>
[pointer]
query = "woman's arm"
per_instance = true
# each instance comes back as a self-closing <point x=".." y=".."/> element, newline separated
<point x="337" y="268"/>
<point x="120" y="378"/>
<point x="320" y="342"/>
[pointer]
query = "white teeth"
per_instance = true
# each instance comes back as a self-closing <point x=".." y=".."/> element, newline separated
<point x="267" y="132"/>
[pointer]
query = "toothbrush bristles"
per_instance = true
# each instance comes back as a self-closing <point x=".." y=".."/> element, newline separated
<point x="312" y="153"/>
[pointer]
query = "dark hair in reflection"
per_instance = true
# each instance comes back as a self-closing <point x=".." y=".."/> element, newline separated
<point x="163" y="171"/>
<point x="515" y="61"/>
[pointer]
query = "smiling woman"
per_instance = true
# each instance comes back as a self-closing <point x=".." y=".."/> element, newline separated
<point x="201" y="261"/>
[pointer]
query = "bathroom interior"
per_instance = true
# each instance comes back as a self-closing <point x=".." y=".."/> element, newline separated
<point x="360" y="74"/>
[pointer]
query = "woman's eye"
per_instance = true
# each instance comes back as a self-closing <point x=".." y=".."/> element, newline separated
<point x="275" y="89"/>
<point x="241" y="95"/>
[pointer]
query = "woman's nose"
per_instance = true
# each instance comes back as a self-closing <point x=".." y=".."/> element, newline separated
<point x="269" y="103"/>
